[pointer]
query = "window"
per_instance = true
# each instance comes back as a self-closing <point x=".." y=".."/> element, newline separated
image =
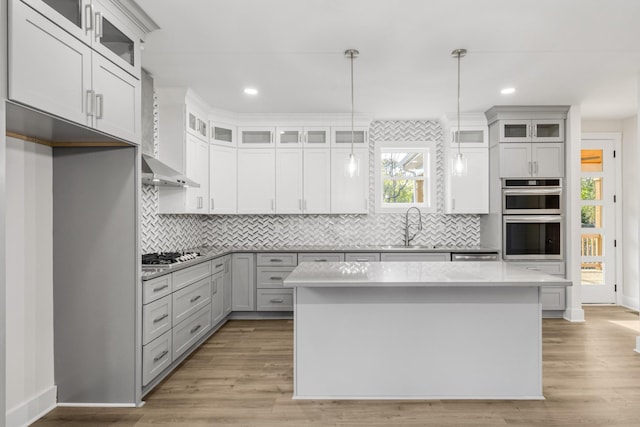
<point x="405" y="176"/>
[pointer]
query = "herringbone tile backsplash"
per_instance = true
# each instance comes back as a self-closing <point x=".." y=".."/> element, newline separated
<point x="177" y="232"/>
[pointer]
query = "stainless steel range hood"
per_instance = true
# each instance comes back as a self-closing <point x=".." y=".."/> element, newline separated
<point x="154" y="172"/>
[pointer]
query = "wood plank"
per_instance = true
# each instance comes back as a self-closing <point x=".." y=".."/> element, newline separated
<point x="242" y="376"/>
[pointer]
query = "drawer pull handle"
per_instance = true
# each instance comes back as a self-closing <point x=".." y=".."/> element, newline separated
<point x="320" y="260"/>
<point x="196" y="298"/>
<point x="219" y="265"/>
<point x="160" y="356"/>
<point x="275" y="278"/>
<point x="161" y="318"/>
<point x="275" y="260"/>
<point x="195" y="329"/>
<point x="277" y="300"/>
<point x="159" y="288"/>
<point x="361" y="259"/>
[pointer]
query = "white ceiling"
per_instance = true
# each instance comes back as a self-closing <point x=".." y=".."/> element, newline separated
<point x="555" y="52"/>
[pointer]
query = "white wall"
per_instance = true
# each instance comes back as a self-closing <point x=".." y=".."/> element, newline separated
<point x="630" y="214"/>
<point x="30" y="390"/>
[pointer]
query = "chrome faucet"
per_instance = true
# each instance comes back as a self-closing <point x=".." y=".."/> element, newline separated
<point x="407" y="238"/>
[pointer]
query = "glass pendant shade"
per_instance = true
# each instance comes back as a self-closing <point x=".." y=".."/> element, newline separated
<point x="352" y="167"/>
<point x="459" y="165"/>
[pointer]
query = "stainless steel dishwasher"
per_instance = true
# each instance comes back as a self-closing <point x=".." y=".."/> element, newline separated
<point x="474" y="256"/>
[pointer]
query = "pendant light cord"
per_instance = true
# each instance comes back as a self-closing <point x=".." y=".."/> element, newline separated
<point x="458" y="135"/>
<point x="352" y="101"/>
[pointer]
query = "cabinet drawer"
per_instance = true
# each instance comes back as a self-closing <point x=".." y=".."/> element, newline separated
<point x="278" y="259"/>
<point x="190" y="299"/>
<point x="272" y="277"/>
<point x="320" y="257"/>
<point x="190" y="331"/>
<point x="189" y="275"/>
<point x="156" y="318"/>
<point x="552" y="297"/>
<point x="218" y="265"/>
<point x="555" y="268"/>
<point x="156" y="356"/>
<point x="416" y="256"/>
<point x="156" y="288"/>
<point x="275" y="299"/>
<point x="362" y="257"/>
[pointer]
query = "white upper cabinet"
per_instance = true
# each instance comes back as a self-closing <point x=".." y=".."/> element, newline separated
<point x="256" y="136"/>
<point x="289" y="181"/>
<point x="197" y="124"/>
<point x="531" y="130"/>
<point x="222" y="134"/>
<point x="540" y="160"/>
<point x="316" y="181"/>
<point x="317" y="137"/>
<point x="256" y="181"/>
<point x="469" y="194"/>
<point x="289" y="137"/>
<point x="342" y="135"/>
<point x="85" y="77"/>
<point x="469" y="136"/>
<point x="223" y="180"/>
<point x="349" y="194"/>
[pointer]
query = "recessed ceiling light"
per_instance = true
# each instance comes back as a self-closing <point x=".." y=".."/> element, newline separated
<point x="250" y="91"/>
<point x="508" y="90"/>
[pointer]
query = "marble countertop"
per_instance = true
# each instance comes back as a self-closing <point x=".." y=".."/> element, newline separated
<point x="212" y="252"/>
<point x="418" y="274"/>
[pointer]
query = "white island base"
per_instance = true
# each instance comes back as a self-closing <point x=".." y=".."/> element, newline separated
<point x="416" y="341"/>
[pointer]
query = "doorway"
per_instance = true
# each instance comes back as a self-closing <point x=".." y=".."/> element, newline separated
<point x="598" y="219"/>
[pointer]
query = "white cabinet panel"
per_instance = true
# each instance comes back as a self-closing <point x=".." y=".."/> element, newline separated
<point x="190" y="299"/>
<point x="156" y="356"/>
<point x="117" y="101"/>
<point x="523" y="160"/>
<point x="416" y="256"/>
<point x="156" y="318"/>
<point x="227" y="286"/>
<point x="342" y="136"/>
<point x="362" y="257"/>
<point x="222" y="134"/>
<point x="256" y="181"/>
<point x="317" y="137"/>
<point x="317" y="181"/>
<point x="244" y="282"/>
<point x="349" y="194"/>
<point x="320" y="257"/>
<point x="222" y="185"/>
<point x="275" y="300"/>
<point x="191" y="330"/>
<point x="217" y="298"/>
<point x="49" y="69"/>
<point x="469" y="194"/>
<point x="256" y="137"/>
<point x="515" y="160"/>
<point x="548" y="160"/>
<point x="197" y="169"/>
<point x="289" y="137"/>
<point x="289" y="183"/>
<point x="73" y="16"/>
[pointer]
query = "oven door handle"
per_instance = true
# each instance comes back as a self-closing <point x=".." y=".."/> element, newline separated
<point x="529" y="192"/>
<point x="532" y="219"/>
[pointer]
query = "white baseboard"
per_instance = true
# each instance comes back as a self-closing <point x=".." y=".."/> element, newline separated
<point x="97" y="405"/>
<point x="632" y="303"/>
<point x="574" y="315"/>
<point x="33" y="409"/>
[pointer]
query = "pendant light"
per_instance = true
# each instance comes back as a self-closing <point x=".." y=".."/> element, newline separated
<point x="458" y="162"/>
<point x="352" y="168"/>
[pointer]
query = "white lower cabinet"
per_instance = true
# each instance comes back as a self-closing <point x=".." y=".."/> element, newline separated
<point x="272" y="269"/>
<point x="217" y="296"/>
<point x="275" y="299"/>
<point x="244" y="282"/>
<point x="416" y="256"/>
<point x="349" y="194"/>
<point x="362" y="257"/>
<point x="156" y="318"/>
<point x="552" y="297"/>
<point x="190" y="299"/>
<point x="223" y="189"/>
<point x="256" y="181"/>
<point x="227" y="286"/>
<point x="189" y="332"/>
<point x="156" y="357"/>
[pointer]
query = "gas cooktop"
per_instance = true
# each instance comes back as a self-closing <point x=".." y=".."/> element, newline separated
<point x="167" y="259"/>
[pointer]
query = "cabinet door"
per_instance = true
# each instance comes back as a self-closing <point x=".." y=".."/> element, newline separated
<point x="289" y="137"/>
<point x="416" y="256"/>
<point x="317" y="181"/>
<point x="222" y="184"/>
<point x="196" y="124"/>
<point x="114" y="40"/>
<point x="217" y="298"/>
<point x="342" y="136"/>
<point x="470" y="194"/>
<point x="470" y="136"/>
<point x="48" y="68"/>
<point x="548" y="160"/>
<point x="222" y="134"/>
<point x="117" y="102"/>
<point x="547" y="130"/>
<point x="255" y="137"/>
<point x="74" y="16"/>
<point x="289" y="181"/>
<point x="197" y="169"/>
<point x="243" y="275"/>
<point x="317" y="137"/>
<point x="349" y="194"/>
<point x="515" y="160"/>
<point x="227" y="287"/>
<point x="515" y="130"/>
<point x="256" y="181"/>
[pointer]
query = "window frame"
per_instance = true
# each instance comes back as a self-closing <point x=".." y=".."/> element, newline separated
<point x="428" y="150"/>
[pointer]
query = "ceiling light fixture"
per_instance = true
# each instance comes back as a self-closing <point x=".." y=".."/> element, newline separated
<point x="250" y="91"/>
<point x="508" y="90"/>
<point x="459" y="163"/>
<point x="352" y="163"/>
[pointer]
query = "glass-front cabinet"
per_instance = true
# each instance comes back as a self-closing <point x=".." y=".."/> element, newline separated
<point x="469" y="136"/>
<point x="532" y="130"/>
<point x="256" y="137"/>
<point x="95" y="24"/>
<point x="290" y="137"/>
<point x="222" y="134"/>
<point x="342" y="136"/>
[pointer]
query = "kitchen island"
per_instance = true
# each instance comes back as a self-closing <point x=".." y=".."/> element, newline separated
<point x="417" y="330"/>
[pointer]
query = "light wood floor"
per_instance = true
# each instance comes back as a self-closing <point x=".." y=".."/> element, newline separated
<point x="242" y="376"/>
